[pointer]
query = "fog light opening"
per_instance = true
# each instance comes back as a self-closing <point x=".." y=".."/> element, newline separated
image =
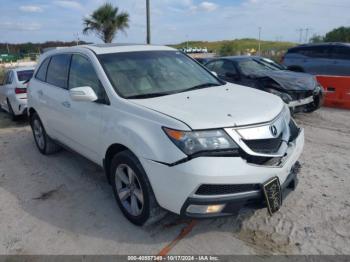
<point x="205" y="209"/>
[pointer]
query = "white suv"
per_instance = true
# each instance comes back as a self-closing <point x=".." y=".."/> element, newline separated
<point x="169" y="134"/>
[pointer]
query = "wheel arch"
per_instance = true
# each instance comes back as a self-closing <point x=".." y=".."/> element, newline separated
<point x="112" y="151"/>
<point x="31" y="112"/>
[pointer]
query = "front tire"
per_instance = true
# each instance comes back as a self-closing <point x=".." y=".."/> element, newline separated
<point x="133" y="191"/>
<point x="43" y="142"/>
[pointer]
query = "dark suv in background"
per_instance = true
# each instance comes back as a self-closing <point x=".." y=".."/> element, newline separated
<point x="319" y="59"/>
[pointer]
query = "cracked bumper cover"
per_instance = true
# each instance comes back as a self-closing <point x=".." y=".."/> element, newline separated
<point x="173" y="186"/>
<point x="233" y="204"/>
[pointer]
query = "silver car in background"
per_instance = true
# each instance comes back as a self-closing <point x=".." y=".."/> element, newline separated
<point x="13" y="91"/>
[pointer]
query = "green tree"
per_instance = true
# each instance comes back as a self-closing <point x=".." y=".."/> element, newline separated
<point x="317" y="39"/>
<point x="341" y="34"/>
<point x="105" y="22"/>
<point x="227" y="49"/>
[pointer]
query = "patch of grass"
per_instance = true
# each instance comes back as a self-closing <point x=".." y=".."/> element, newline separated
<point x="239" y="46"/>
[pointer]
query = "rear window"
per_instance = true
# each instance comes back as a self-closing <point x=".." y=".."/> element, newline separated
<point x="24" y="75"/>
<point x="57" y="72"/>
<point x="341" y="52"/>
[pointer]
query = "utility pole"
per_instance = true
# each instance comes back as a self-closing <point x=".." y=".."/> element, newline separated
<point x="300" y="30"/>
<point x="148" y="22"/>
<point x="76" y="35"/>
<point x="259" y="41"/>
<point x="307" y="30"/>
<point x="187" y="42"/>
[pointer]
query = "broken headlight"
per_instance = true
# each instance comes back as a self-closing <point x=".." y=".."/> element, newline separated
<point x="192" y="142"/>
<point x="284" y="96"/>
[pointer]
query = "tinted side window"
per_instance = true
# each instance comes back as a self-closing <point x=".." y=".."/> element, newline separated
<point x="312" y="51"/>
<point x="82" y="73"/>
<point x="293" y="51"/>
<point x="222" y="67"/>
<point x="319" y="52"/>
<point x="57" y="72"/>
<point x="41" y="74"/>
<point x="228" y="67"/>
<point x="211" y="66"/>
<point x="341" y="52"/>
<point x="216" y="66"/>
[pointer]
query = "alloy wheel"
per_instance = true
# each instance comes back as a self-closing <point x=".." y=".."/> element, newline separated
<point x="39" y="134"/>
<point x="129" y="190"/>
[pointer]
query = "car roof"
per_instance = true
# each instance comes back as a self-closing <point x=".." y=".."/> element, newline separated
<point x="108" y="48"/>
<point x="23" y="68"/>
<point x="118" y="48"/>
<point x="236" y="58"/>
<point x="321" y="44"/>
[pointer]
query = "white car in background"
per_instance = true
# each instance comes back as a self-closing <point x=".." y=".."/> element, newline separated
<point x="13" y="91"/>
<point x="169" y="134"/>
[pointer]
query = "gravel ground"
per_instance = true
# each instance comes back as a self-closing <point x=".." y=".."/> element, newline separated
<point x="62" y="204"/>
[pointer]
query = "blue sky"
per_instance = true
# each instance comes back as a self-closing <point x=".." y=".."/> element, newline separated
<point x="174" y="21"/>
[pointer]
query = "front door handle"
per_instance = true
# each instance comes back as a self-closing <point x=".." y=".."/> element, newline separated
<point x="66" y="104"/>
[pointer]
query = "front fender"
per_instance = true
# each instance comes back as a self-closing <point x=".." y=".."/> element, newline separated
<point x="143" y="135"/>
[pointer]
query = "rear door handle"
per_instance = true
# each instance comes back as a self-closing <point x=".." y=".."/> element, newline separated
<point x="40" y="93"/>
<point x="66" y="104"/>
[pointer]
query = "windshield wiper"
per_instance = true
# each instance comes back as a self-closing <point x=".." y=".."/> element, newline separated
<point x="150" y="95"/>
<point x="140" y="96"/>
<point x="205" y="85"/>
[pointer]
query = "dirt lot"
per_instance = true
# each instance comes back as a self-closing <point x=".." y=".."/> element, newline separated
<point x="62" y="204"/>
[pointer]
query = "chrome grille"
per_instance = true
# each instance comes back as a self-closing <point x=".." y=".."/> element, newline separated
<point x="267" y="140"/>
<point x="270" y="145"/>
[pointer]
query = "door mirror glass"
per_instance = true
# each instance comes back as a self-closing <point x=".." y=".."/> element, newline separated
<point x="83" y="93"/>
<point x="214" y="73"/>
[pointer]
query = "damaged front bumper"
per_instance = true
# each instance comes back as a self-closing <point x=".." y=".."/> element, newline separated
<point x="231" y="205"/>
<point x="307" y="104"/>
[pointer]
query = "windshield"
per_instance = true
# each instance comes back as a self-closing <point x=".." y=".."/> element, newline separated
<point x="253" y="67"/>
<point x="154" y="73"/>
<point x="272" y="63"/>
<point x="24" y="75"/>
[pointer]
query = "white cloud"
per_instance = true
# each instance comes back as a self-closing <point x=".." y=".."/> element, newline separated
<point x="20" y="26"/>
<point x="201" y="7"/>
<point x="69" y="4"/>
<point x="30" y="8"/>
<point x="174" y="21"/>
<point x="207" y="6"/>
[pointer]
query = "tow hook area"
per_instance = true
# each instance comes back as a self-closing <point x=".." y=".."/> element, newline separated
<point x="294" y="171"/>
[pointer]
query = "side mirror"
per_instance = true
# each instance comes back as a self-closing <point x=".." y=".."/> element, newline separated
<point x="83" y="93"/>
<point x="214" y="73"/>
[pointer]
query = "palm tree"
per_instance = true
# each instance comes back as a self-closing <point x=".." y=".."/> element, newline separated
<point x="105" y="22"/>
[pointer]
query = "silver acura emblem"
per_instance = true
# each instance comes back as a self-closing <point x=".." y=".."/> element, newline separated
<point x="273" y="130"/>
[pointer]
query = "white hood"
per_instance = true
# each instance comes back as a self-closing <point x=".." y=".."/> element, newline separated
<point x="216" y="107"/>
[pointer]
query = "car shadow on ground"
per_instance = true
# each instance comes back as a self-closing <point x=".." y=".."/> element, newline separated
<point x="72" y="194"/>
<point x="6" y="121"/>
